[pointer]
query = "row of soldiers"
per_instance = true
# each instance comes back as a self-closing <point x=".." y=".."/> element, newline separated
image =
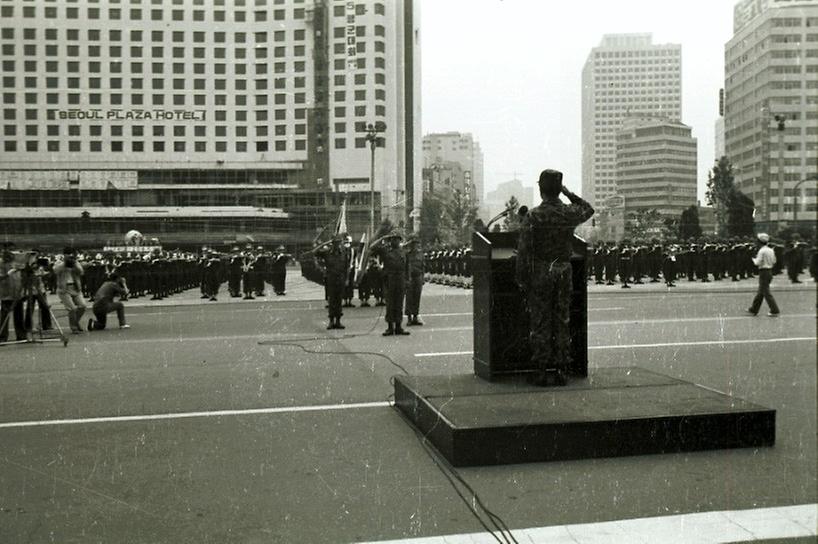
<point x="639" y="262"/>
<point x="246" y="272"/>
<point x="158" y="274"/>
<point x="449" y="266"/>
<point x="630" y="262"/>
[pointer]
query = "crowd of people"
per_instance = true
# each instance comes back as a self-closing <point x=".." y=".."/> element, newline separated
<point x="78" y="278"/>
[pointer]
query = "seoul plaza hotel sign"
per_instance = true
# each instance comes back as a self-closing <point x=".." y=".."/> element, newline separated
<point x="136" y="115"/>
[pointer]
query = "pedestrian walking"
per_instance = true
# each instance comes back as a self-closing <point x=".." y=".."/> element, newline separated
<point x="765" y="260"/>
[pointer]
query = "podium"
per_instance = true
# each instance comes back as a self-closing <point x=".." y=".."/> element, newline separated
<point x="501" y="324"/>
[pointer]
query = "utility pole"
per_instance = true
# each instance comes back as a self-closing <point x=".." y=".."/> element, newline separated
<point x="781" y="120"/>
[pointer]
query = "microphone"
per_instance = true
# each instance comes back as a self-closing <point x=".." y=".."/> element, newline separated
<point x="501" y="215"/>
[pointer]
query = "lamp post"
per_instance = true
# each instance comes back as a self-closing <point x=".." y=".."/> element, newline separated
<point x="813" y="177"/>
<point x="372" y="131"/>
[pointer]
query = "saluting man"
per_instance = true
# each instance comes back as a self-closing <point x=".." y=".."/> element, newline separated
<point x="334" y="263"/>
<point x="394" y="268"/>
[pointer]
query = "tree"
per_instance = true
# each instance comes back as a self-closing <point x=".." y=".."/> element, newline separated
<point x="689" y="226"/>
<point x="433" y="221"/>
<point x="719" y="193"/>
<point x="644" y="223"/>
<point x="740" y="221"/>
<point x="461" y="216"/>
<point x="512" y="221"/>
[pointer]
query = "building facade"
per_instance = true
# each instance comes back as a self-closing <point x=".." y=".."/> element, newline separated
<point x="771" y="109"/>
<point x="461" y="148"/>
<point x="627" y="74"/>
<point x="209" y="103"/>
<point x="656" y="166"/>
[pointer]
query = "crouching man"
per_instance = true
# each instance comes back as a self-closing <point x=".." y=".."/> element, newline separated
<point x="104" y="303"/>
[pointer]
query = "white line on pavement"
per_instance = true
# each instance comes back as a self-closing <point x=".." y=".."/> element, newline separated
<point x="700" y="527"/>
<point x="187" y="415"/>
<point x="658" y="345"/>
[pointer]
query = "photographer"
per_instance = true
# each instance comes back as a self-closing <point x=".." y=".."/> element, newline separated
<point x="10" y="295"/>
<point x="34" y="285"/>
<point x="68" y="275"/>
<point x="104" y="303"/>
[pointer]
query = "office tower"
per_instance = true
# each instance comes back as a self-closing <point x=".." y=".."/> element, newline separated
<point x="656" y="166"/>
<point x="771" y="108"/>
<point x="440" y="149"/>
<point x="627" y="74"/>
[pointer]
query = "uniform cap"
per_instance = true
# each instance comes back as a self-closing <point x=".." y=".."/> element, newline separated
<point x="763" y="237"/>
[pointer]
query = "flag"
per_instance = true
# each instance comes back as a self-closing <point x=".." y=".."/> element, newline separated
<point x="341" y="226"/>
<point x="363" y="258"/>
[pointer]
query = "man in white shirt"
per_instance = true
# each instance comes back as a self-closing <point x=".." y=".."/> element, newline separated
<point x="764" y="260"/>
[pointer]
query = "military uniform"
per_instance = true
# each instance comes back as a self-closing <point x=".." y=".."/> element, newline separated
<point x="334" y="263"/>
<point x="394" y="269"/>
<point x="414" y="285"/>
<point x="544" y="274"/>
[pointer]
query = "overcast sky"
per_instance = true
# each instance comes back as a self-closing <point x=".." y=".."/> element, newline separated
<point x="510" y="72"/>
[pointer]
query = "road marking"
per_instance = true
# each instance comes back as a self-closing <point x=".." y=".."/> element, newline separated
<point x="657" y="345"/>
<point x="188" y="415"/>
<point x="711" y="527"/>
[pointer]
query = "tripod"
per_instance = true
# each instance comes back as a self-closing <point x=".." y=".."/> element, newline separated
<point x="29" y="320"/>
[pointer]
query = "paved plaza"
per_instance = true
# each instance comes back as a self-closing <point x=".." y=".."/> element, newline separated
<point x="247" y="421"/>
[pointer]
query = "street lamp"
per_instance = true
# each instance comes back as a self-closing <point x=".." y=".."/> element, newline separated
<point x="372" y="132"/>
<point x="813" y="177"/>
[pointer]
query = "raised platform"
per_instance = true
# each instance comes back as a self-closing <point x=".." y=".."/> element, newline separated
<point x="613" y="412"/>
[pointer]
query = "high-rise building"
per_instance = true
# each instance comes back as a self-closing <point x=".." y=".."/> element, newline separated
<point x="771" y="108"/>
<point x="197" y="104"/>
<point x="656" y="166"/>
<point x="496" y="200"/>
<point x="462" y="148"/>
<point x="627" y="74"/>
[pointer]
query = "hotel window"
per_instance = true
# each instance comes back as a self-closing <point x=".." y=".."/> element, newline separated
<point x="261" y="115"/>
<point x="261" y="146"/>
<point x="302" y="128"/>
<point x="116" y="146"/>
<point x="158" y="147"/>
<point x="158" y="100"/>
<point x="300" y="113"/>
<point x="360" y="94"/>
<point x="200" y="147"/>
<point x="281" y="145"/>
<point x="380" y="9"/>
<point x="280" y="115"/>
<point x="340" y="111"/>
<point x="239" y="16"/>
<point x="221" y="147"/>
<point x="93" y="13"/>
<point x="96" y="146"/>
<point x="156" y="15"/>
<point x="53" y="145"/>
<point x="74" y="146"/>
<point x="340" y="143"/>
<point x="278" y="68"/>
<point x="241" y="147"/>
<point x="198" y="15"/>
<point x="360" y="111"/>
<point x="179" y="147"/>
<point x="136" y="14"/>
<point x="261" y="16"/>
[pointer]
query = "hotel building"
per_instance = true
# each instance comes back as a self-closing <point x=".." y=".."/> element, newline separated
<point x="211" y="103"/>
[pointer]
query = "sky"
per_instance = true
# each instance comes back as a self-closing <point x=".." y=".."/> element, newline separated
<point x="510" y="73"/>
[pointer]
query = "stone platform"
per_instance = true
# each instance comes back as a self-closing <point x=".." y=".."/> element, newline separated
<point x="613" y="412"/>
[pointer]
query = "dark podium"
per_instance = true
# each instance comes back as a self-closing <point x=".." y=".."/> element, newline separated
<point x="500" y="316"/>
<point x="495" y="416"/>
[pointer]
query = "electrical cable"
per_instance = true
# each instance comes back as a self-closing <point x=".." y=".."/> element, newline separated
<point x="449" y="472"/>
